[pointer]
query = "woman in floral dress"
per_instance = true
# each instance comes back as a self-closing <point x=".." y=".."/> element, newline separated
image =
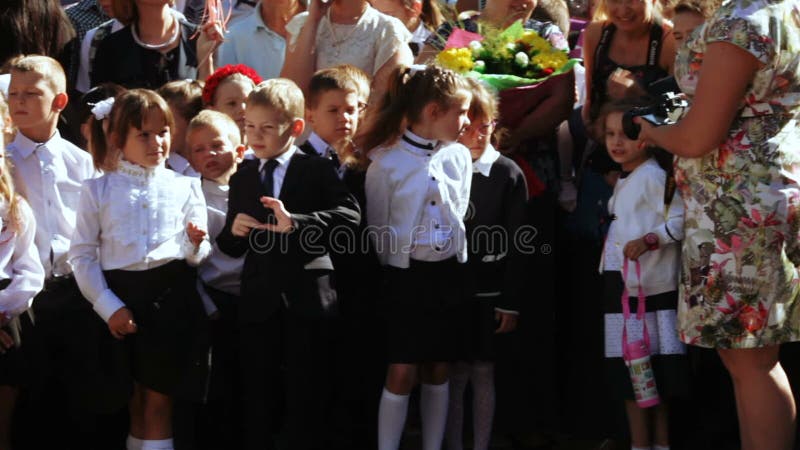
<point x="738" y="170"/>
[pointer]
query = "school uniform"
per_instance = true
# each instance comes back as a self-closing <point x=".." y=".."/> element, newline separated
<point x="21" y="278"/>
<point x="496" y="266"/>
<point x="638" y="208"/>
<point x="316" y="146"/>
<point x="130" y="249"/>
<point x="217" y="422"/>
<point x="417" y="196"/>
<point x="287" y="292"/>
<point x="49" y="176"/>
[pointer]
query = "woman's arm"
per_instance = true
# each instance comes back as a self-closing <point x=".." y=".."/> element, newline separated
<point x="301" y="54"/>
<point x="380" y="81"/>
<point x="727" y="72"/>
<point x="668" y="50"/>
<point x="547" y="115"/>
<point x="591" y="40"/>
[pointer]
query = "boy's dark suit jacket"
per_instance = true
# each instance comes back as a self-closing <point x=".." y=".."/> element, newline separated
<point x="275" y="263"/>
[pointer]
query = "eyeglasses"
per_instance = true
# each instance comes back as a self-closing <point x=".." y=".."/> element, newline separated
<point x="482" y="130"/>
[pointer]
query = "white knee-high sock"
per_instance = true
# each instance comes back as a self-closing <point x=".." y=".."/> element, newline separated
<point x="483" y="401"/>
<point x="133" y="443"/>
<point x="433" y="406"/>
<point x="157" y="444"/>
<point x="633" y="447"/>
<point x="459" y="377"/>
<point x="391" y="420"/>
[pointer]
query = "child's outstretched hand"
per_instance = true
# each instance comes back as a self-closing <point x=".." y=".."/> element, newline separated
<point x="243" y="223"/>
<point x="634" y="249"/>
<point x="121" y="323"/>
<point x="282" y="216"/>
<point x="196" y="235"/>
<point x="507" y="322"/>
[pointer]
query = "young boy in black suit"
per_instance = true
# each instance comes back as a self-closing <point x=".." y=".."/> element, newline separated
<point x="282" y="208"/>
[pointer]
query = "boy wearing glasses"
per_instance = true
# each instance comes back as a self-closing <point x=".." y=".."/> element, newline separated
<point x="287" y="295"/>
<point x="332" y="111"/>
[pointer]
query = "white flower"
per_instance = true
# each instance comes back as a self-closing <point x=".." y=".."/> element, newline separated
<point x="476" y="48"/>
<point x="479" y="66"/>
<point x="522" y="59"/>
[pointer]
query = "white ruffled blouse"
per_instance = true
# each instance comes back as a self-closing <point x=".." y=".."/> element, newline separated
<point x="134" y="218"/>
<point x="19" y="260"/>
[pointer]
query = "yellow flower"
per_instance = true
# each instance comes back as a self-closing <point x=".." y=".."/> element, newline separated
<point x="552" y="59"/>
<point x="456" y="59"/>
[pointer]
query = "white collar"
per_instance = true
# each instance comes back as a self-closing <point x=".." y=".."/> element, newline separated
<point x="211" y="187"/>
<point x="319" y="144"/>
<point x="135" y="171"/>
<point x="256" y="19"/>
<point x="484" y="163"/>
<point x="25" y="146"/>
<point x="282" y="159"/>
<point x="421" y="141"/>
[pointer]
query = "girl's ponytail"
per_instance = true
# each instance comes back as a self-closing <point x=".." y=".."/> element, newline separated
<point x="410" y="89"/>
<point x="387" y="122"/>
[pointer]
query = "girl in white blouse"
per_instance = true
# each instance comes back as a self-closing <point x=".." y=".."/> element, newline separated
<point x="21" y="278"/>
<point x="417" y="189"/>
<point x="646" y="227"/>
<point x="138" y="226"/>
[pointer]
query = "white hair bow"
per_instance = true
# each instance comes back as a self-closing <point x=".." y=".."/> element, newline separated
<point x="102" y="109"/>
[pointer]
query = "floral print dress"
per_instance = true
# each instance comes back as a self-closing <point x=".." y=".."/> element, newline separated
<point x="740" y="281"/>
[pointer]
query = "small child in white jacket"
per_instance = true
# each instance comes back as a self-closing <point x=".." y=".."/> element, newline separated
<point x="646" y="226"/>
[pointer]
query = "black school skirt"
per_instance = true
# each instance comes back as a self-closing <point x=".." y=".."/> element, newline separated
<point x="419" y="309"/>
<point x="14" y="363"/>
<point x="169" y="351"/>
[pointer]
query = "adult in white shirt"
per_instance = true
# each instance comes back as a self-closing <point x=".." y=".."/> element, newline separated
<point x="259" y="39"/>
<point x="346" y="32"/>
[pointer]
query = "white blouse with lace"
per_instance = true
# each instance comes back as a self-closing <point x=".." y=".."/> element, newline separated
<point x="367" y="44"/>
<point x="134" y="219"/>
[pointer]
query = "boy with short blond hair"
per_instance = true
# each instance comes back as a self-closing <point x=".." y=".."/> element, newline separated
<point x="49" y="172"/>
<point x="214" y="149"/>
<point x="281" y="209"/>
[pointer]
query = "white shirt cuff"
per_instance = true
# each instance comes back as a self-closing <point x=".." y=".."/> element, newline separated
<point x="506" y="311"/>
<point x="107" y="304"/>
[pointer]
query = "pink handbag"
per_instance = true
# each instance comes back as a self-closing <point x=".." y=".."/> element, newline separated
<point x="636" y="354"/>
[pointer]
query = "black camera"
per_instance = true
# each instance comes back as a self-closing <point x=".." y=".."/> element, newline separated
<point x="669" y="109"/>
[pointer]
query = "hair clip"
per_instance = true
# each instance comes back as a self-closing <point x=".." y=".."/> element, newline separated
<point x="102" y="109"/>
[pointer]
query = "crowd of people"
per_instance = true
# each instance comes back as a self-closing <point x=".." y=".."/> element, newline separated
<point x="259" y="225"/>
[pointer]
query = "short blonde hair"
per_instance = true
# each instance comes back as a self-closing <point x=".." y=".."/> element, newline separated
<point x="281" y="94"/>
<point x="45" y="66"/>
<point x="219" y="122"/>
<point x="361" y="78"/>
<point x="654" y="12"/>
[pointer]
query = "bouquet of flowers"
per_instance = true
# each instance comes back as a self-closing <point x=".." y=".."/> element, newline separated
<point x="524" y="67"/>
<point x="504" y="59"/>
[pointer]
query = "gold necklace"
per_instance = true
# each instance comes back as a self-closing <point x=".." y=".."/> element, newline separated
<point x="336" y="41"/>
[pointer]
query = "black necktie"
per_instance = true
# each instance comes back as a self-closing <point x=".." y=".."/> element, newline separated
<point x="267" y="180"/>
<point x="334" y="157"/>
